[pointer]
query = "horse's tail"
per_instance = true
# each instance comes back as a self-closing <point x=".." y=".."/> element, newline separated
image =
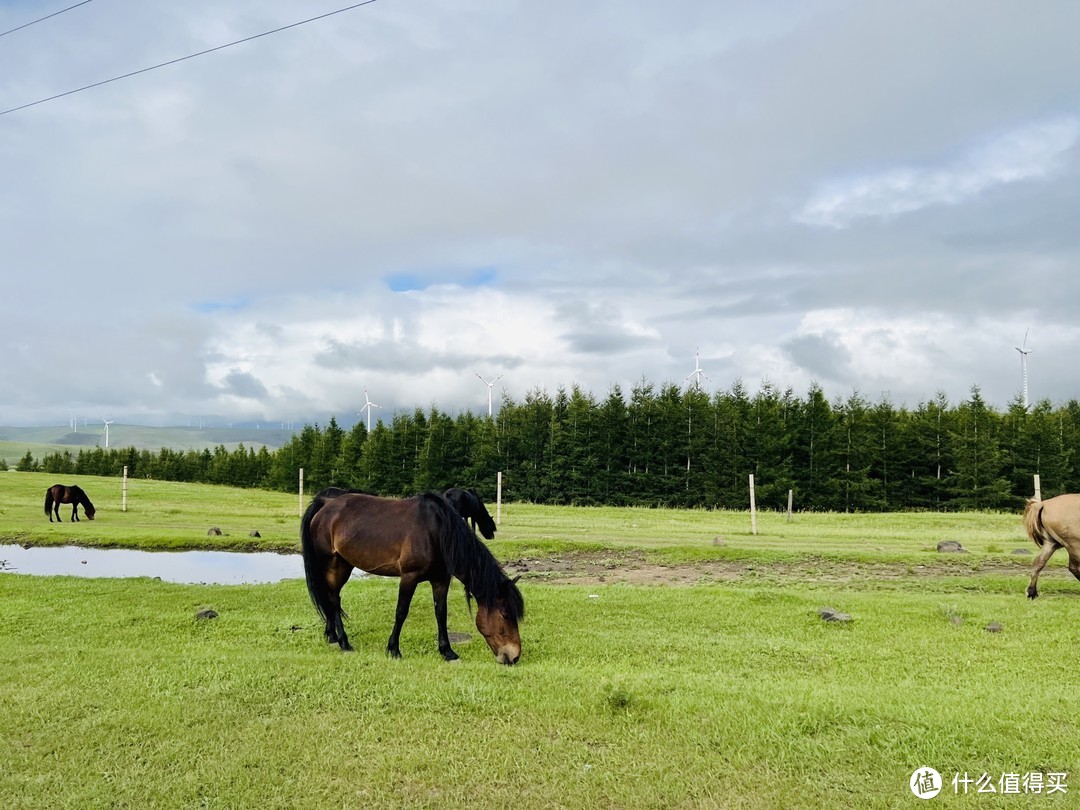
<point x="48" y="502"/>
<point x="315" y="567"/>
<point x="1033" y="524"/>
<point x="484" y="520"/>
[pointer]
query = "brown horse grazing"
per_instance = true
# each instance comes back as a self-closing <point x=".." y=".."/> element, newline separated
<point x="469" y="506"/>
<point x="416" y="539"/>
<point x="58" y="494"/>
<point x="1051" y="525"/>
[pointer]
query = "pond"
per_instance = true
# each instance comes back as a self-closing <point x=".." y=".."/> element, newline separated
<point x="191" y="567"/>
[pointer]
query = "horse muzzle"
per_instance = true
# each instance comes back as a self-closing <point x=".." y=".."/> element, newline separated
<point x="508" y="654"/>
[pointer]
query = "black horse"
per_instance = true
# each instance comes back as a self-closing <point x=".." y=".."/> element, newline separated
<point x="416" y="539"/>
<point x="469" y="506"/>
<point x="58" y="494"/>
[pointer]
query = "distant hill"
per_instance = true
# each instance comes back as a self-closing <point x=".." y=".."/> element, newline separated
<point x="15" y="441"/>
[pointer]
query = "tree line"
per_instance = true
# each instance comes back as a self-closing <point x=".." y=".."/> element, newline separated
<point x="662" y="446"/>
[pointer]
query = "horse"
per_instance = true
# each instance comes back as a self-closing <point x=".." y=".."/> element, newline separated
<point x="1053" y="524"/>
<point x="470" y="507"/>
<point x="58" y="494"/>
<point x="416" y="539"/>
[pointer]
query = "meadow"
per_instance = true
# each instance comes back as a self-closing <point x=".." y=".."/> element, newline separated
<point x="720" y="693"/>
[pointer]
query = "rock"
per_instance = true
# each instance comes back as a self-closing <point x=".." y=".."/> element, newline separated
<point x="829" y="614"/>
<point x="994" y="627"/>
<point x="459" y="638"/>
<point x="254" y="533"/>
<point x="214" y="531"/>
<point x="206" y="613"/>
<point x="1021" y="551"/>
<point x="951" y="547"/>
<point x="719" y="541"/>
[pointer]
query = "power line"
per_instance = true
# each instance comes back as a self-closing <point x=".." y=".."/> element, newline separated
<point x="185" y="58"/>
<point x="47" y="16"/>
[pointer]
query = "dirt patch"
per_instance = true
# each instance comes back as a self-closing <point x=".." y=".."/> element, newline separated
<point x="635" y="568"/>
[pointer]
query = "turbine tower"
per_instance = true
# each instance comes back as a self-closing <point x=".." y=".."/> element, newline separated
<point x="489" y="385"/>
<point x="367" y="407"/>
<point x="1024" y="352"/>
<point x="697" y="373"/>
<point x="107" y="423"/>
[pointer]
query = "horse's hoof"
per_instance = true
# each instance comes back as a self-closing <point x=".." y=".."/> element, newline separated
<point x="451" y="656"/>
<point x="1032" y="594"/>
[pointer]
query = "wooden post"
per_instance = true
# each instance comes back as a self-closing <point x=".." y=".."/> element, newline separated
<point x="498" y="499"/>
<point x="753" y="507"/>
<point x="123" y="500"/>
<point x="301" y="500"/>
<point x="790" y="498"/>
<point x="1038" y="489"/>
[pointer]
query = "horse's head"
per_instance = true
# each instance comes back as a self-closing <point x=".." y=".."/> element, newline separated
<point x="89" y="511"/>
<point x="497" y="622"/>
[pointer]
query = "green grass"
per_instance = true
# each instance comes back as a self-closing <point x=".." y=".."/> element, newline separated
<point x="715" y="695"/>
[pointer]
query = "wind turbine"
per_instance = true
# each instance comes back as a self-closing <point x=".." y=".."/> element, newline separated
<point x="697" y="373"/>
<point x="1024" y="352"/>
<point x="490" y="385"/>
<point x="107" y="423"/>
<point x="367" y="407"/>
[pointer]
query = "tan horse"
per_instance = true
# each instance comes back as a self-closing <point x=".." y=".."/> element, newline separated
<point x="1051" y="525"/>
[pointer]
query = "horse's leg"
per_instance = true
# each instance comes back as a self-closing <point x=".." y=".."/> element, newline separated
<point x="439" y="590"/>
<point x="1047" y="551"/>
<point x="337" y="574"/>
<point x="1074" y="561"/>
<point x="74" y="512"/>
<point x="406" y="589"/>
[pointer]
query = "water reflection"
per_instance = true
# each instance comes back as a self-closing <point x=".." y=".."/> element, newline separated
<point x="205" y="567"/>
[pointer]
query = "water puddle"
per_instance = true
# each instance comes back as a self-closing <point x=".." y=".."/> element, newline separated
<point x="189" y="567"/>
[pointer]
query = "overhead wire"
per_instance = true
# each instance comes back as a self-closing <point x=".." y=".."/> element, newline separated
<point x="42" y="19"/>
<point x="189" y="56"/>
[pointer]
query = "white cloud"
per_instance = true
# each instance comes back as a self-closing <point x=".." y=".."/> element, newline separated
<point x="1028" y="153"/>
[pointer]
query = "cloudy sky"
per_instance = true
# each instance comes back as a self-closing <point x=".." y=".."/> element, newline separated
<point x="876" y="197"/>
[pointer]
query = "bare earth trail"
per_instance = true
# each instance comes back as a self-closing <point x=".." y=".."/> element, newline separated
<point x="634" y="567"/>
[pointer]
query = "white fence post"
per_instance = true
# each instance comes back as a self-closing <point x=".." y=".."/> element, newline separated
<point x="498" y="499"/>
<point x="1038" y="489"/>
<point x="790" y="499"/>
<point x="753" y="507"/>
<point x="301" y="499"/>
<point x="123" y="499"/>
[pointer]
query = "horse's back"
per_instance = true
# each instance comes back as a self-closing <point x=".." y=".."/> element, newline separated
<point x="383" y="536"/>
<point x="1061" y="516"/>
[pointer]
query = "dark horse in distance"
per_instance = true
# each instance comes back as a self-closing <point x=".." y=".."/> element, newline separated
<point x="470" y="507"/>
<point x="58" y="494"/>
<point x="416" y="539"/>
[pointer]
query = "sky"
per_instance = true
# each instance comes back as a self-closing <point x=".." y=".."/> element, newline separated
<point x="403" y="201"/>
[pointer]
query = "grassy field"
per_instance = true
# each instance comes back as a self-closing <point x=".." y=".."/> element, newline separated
<point x="732" y="694"/>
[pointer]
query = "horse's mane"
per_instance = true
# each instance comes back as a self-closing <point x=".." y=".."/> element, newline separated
<point x="468" y="559"/>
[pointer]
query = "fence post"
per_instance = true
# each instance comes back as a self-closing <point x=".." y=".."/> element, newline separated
<point x="123" y="499"/>
<point x="1038" y="489"/>
<point x="300" y="511"/>
<point x="498" y="499"/>
<point x="753" y="507"/>
<point x="790" y="498"/>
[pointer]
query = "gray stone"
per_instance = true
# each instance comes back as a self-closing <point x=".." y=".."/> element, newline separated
<point x="206" y="613"/>
<point x="994" y="627"/>
<point x="951" y="547"/>
<point x="213" y="531"/>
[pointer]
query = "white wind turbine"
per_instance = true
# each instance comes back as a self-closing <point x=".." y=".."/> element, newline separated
<point x="490" y="385"/>
<point x="1024" y="352"/>
<point x="367" y="407"/>
<point x="107" y="423"/>
<point x="697" y="373"/>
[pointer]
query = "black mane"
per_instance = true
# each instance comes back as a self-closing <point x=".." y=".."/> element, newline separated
<point x="467" y="558"/>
